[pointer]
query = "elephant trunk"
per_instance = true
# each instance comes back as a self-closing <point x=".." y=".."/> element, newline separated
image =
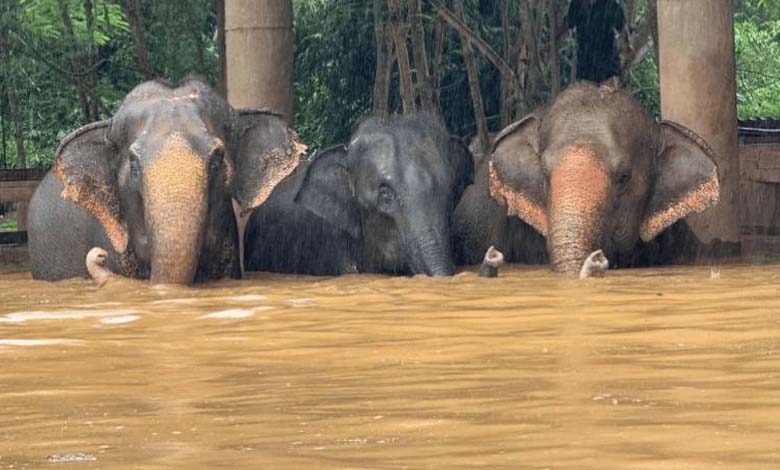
<point x="176" y="204"/>
<point x="431" y="253"/>
<point x="579" y="186"/>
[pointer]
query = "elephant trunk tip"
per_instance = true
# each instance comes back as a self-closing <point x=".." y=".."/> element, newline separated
<point x="439" y="271"/>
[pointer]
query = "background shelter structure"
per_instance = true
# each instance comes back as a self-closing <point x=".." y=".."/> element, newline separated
<point x="698" y="90"/>
<point x="259" y="54"/>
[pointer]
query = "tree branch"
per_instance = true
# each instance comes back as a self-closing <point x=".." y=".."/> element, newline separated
<point x="476" y="94"/>
<point x="466" y="32"/>
<point x="402" y="53"/>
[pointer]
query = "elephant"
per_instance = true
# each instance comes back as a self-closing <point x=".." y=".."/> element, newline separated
<point x="155" y="184"/>
<point x="381" y="204"/>
<point x="592" y="171"/>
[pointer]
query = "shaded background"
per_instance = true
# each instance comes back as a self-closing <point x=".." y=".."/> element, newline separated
<point x="68" y="62"/>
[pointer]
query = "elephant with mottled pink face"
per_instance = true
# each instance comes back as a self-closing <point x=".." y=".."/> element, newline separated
<point x="593" y="171"/>
<point x="155" y="185"/>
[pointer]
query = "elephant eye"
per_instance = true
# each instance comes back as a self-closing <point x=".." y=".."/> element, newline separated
<point x="216" y="158"/>
<point x="385" y="196"/>
<point x="624" y="179"/>
<point x="134" y="166"/>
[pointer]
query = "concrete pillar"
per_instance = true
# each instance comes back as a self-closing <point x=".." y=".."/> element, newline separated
<point x="259" y="48"/>
<point x="698" y="90"/>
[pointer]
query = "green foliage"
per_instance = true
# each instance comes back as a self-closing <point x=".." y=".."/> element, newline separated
<point x="43" y="17"/>
<point x="8" y="226"/>
<point x="46" y="62"/>
<point x="334" y="63"/>
<point x="334" y="68"/>
<point x="757" y="47"/>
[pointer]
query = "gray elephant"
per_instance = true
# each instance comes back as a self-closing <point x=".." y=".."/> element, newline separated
<point x="382" y="204"/>
<point x="594" y="171"/>
<point x="154" y="184"/>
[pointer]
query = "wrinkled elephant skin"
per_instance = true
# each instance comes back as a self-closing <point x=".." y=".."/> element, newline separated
<point x="154" y="185"/>
<point x="381" y="204"/>
<point x="592" y="171"/>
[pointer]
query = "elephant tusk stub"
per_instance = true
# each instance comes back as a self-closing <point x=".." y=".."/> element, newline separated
<point x="595" y="265"/>
<point x="492" y="261"/>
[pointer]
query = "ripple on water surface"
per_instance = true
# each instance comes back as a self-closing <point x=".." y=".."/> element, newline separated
<point x="644" y="369"/>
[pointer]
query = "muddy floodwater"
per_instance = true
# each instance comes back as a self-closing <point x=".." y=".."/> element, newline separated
<point x="643" y="369"/>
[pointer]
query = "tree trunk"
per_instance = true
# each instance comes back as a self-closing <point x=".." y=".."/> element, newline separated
<point x="196" y="31"/>
<point x="92" y="78"/>
<point x="506" y="92"/>
<point x="382" y="74"/>
<point x="460" y="26"/>
<point x="438" y="57"/>
<point x="421" y="57"/>
<point x="476" y="94"/>
<point x="631" y="15"/>
<point x="221" y="47"/>
<point x="652" y="18"/>
<point x="2" y="130"/>
<point x="13" y="104"/>
<point x="78" y="82"/>
<point x="402" y="55"/>
<point x="132" y="9"/>
<point x="555" y="50"/>
<point x="528" y="53"/>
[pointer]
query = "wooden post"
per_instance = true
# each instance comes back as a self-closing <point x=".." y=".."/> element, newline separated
<point x="259" y="65"/>
<point x="259" y="48"/>
<point x="698" y="90"/>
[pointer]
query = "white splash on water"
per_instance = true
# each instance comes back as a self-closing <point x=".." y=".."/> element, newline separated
<point x="179" y="301"/>
<point x="306" y="302"/>
<point x="119" y="319"/>
<point x="249" y="298"/>
<point x="237" y="312"/>
<point x="36" y="342"/>
<point x="38" y="315"/>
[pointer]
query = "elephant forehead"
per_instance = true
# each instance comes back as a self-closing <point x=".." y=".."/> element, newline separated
<point x="155" y="120"/>
<point x="578" y="178"/>
<point x="175" y="166"/>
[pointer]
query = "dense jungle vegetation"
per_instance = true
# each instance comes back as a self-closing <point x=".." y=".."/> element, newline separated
<point x="477" y="63"/>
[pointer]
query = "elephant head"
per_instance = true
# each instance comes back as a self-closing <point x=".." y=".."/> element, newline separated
<point x="393" y="188"/>
<point x="597" y="172"/>
<point x="160" y="174"/>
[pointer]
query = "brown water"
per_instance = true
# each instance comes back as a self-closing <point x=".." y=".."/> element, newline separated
<point x="644" y="369"/>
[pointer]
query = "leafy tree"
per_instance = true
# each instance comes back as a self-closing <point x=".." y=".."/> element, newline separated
<point x="72" y="61"/>
<point x="757" y="48"/>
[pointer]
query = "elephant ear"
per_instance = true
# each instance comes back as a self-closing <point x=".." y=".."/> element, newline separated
<point x="517" y="178"/>
<point x="686" y="180"/>
<point x="267" y="151"/>
<point x="462" y="163"/>
<point x="326" y="190"/>
<point x="85" y="163"/>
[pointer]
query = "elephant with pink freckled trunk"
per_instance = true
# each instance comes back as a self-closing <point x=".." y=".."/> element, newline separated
<point x="593" y="171"/>
<point x="155" y="184"/>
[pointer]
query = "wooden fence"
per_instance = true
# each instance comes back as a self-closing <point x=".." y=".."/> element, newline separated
<point x="18" y="186"/>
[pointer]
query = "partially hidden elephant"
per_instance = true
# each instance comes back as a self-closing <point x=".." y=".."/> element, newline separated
<point x="154" y="185"/>
<point x="593" y="171"/>
<point x="381" y="204"/>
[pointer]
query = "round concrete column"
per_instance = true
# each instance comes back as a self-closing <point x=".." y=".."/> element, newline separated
<point x="259" y="48"/>
<point x="698" y="90"/>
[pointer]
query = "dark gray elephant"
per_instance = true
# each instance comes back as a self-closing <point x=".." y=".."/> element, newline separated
<point x="594" y="171"/>
<point x="153" y="185"/>
<point x="383" y="204"/>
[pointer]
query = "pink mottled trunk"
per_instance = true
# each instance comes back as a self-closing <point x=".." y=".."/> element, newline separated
<point x="579" y="186"/>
